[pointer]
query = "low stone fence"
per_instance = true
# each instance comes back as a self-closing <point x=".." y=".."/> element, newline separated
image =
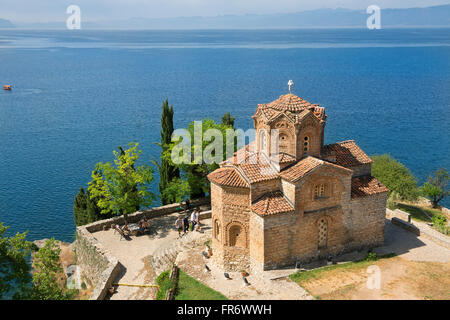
<point x="406" y="225"/>
<point x="99" y="268"/>
<point x="398" y="218"/>
<point x="399" y="214"/>
<point x="135" y="217"/>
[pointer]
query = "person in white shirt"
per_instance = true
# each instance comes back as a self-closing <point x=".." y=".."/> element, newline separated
<point x="194" y="218"/>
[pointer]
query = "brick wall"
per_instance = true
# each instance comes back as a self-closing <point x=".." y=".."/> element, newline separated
<point x="362" y="170"/>
<point x="230" y="210"/>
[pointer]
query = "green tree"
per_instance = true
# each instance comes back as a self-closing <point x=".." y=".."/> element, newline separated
<point x="80" y="208"/>
<point x="15" y="274"/>
<point x="86" y="210"/>
<point x="436" y="187"/>
<point x="228" y="120"/>
<point x="177" y="190"/>
<point x="48" y="275"/>
<point x="122" y="188"/>
<point x="196" y="170"/>
<point x="395" y="176"/>
<point x="167" y="171"/>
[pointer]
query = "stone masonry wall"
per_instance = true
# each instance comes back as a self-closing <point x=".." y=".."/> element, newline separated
<point x="367" y="220"/>
<point x="98" y="267"/>
<point x="230" y="215"/>
<point x="362" y="170"/>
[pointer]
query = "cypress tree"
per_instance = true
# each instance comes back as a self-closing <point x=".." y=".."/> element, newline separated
<point x="228" y="120"/>
<point x="167" y="172"/>
<point x="80" y="208"/>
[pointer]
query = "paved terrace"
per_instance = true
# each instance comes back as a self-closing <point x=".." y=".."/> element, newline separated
<point x="135" y="256"/>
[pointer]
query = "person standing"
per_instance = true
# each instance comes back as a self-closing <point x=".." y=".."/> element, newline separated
<point x="185" y="224"/>
<point x="194" y="218"/>
<point x="179" y="226"/>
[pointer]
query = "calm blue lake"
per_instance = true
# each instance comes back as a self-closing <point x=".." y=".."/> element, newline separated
<point x="79" y="94"/>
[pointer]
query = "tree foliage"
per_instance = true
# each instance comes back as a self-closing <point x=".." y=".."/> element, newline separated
<point x="228" y="120"/>
<point x="86" y="210"/>
<point x="122" y="187"/>
<point x="394" y="175"/>
<point x="16" y="279"/>
<point x="15" y="274"/>
<point x="436" y="188"/>
<point x="195" y="172"/>
<point x="48" y="275"/>
<point x="167" y="171"/>
<point x="177" y="190"/>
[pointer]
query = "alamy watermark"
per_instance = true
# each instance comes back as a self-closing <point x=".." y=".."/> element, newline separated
<point x="213" y="146"/>
<point x="374" y="280"/>
<point x="374" y="20"/>
<point x="74" y="20"/>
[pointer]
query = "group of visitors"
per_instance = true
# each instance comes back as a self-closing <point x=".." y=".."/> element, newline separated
<point x="182" y="224"/>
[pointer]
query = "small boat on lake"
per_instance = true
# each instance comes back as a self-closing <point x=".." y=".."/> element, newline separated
<point x="7" y="87"/>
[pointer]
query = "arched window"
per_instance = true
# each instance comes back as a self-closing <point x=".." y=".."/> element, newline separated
<point x="283" y="143"/>
<point x="320" y="191"/>
<point x="305" y="144"/>
<point x="217" y="230"/>
<point x="236" y="236"/>
<point x="322" y="233"/>
<point x="262" y="141"/>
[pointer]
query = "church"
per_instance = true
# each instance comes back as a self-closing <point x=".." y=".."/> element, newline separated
<point x="287" y="198"/>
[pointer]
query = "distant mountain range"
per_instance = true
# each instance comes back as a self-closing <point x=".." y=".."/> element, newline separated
<point x="412" y="17"/>
<point x="6" y="23"/>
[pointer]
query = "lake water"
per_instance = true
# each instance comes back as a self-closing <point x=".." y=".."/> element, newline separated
<point x="77" y="95"/>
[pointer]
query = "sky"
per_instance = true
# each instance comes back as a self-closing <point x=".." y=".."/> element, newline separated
<point x="92" y="10"/>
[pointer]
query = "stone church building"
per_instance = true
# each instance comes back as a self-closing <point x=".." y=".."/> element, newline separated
<point x="301" y="202"/>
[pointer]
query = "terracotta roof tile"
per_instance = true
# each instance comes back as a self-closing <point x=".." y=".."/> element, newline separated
<point x="228" y="177"/>
<point x="293" y="107"/>
<point x="364" y="186"/>
<point x="258" y="170"/>
<point x="252" y="165"/>
<point x="297" y="171"/>
<point x="284" y="157"/>
<point x="272" y="203"/>
<point x="289" y="102"/>
<point x="347" y="153"/>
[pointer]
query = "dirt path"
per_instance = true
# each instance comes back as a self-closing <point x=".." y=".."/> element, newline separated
<point x="400" y="279"/>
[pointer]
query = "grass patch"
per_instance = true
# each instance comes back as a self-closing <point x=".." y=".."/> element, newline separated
<point x="301" y="277"/>
<point x="415" y="212"/>
<point x="191" y="289"/>
<point x="164" y="283"/>
<point x="188" y="288"/>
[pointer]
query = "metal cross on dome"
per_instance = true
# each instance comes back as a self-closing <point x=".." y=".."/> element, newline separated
<point x="290" y="84"/>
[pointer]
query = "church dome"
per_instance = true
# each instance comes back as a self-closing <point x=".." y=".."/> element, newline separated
<point x="290" y="102"/>
<point x="292" y="106"/>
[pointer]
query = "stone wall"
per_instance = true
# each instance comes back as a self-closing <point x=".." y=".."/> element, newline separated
<point x="98" y="267"/>
<point x="367" y="220"/>
<point x="362" y="170"/>
<point x="135" y="217"/>
<point x="230" y="209"/>
<point x="399" y="214"/>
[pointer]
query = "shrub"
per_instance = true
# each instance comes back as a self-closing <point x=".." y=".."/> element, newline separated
<point x="371" y="256"/>
<point x="394" y="175"/>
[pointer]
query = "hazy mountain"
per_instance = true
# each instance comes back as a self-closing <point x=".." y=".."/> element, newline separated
<point x="6" y="23"/>
<point x="419" y="17"/>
